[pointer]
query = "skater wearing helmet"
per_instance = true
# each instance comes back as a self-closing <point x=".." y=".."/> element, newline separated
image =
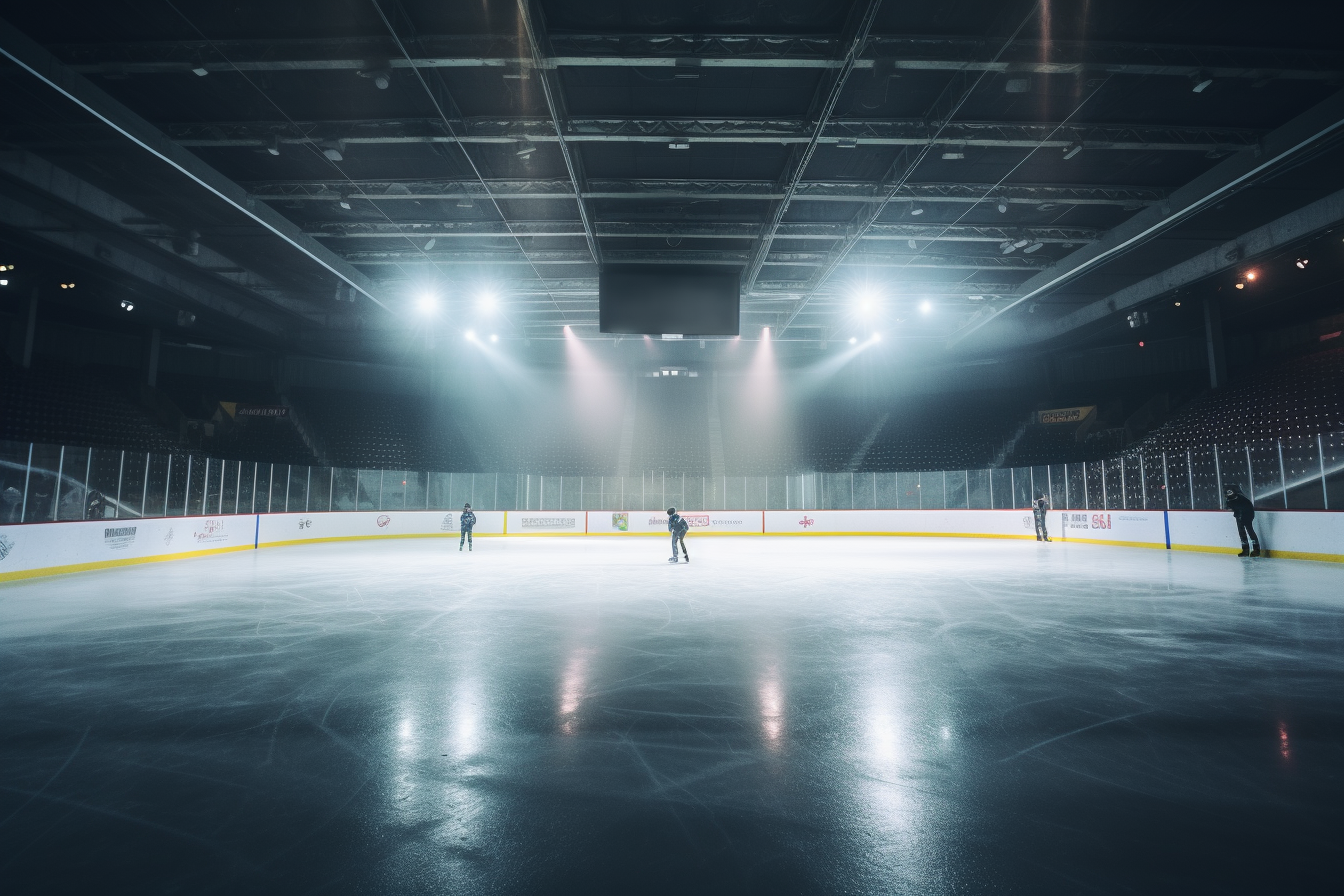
<point x="1244" y="511"/>
<point x="1039" y="510"/>
<point x="678" y="527"/>
<point x="468" y="522"/>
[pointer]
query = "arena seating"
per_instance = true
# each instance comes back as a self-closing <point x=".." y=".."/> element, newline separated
<point x="671" y="418"/>
<point x="77" y="407"/>
<point x="935" y="437"/>
<point x="1299" y="396"/>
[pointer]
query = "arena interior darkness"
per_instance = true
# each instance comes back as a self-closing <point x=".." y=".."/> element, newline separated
<point x="1010" y="448"/>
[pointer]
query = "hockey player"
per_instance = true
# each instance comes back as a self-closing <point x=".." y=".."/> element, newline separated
<point x="1244" y="512"/>
<point x="678" y="527"/>
<point x="466" y="523"/>
<point x="1039" y="509"/>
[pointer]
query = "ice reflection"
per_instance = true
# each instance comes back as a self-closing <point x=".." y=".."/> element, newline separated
<point x="889" y="742"/>
<point x="770" y="694"/>
<point x="464" y="719"/>
<point x="573" y="687"/>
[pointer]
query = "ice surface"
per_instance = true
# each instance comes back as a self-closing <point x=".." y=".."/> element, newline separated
<point x="783" y="715"/>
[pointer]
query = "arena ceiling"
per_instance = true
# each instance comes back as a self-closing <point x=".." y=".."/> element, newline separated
<point x="988" y="175"/>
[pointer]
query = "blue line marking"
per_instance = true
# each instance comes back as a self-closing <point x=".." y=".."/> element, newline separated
<point x="256" y="537"/>
<point x="1166" y="524"/>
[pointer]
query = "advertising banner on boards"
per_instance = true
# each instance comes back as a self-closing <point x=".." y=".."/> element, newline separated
<point x="646" y="522"/>
<point x="297" y="528"/>
<point x="547" y="522"/>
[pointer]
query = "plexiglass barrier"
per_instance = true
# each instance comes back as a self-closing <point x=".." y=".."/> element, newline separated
<point x="43" y="483"/>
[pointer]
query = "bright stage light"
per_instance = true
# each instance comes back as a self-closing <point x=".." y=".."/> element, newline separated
<point x="765" y="333"/>
<point x="487" y="300"/>
<point x="925" y="306"/>
<point x="494" y="337"/>
<point x="428" y="303"/>
<point x="471" y="335"/>
<point x="877" y="337"/>
<point x="853" y="340"/>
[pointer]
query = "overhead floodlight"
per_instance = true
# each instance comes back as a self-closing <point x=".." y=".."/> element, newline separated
<point x="494" y="337"/>
<point x="200" y="71"/>
<point x="1033" y="247"/>
<point x="1006" y="247"/>
<point x="428" y="303"/>
<point x="953" y="156"/>
<point x="4" y="282"/>
<point x="127" y="305"/>
<point x="333" y="150"/>
<point x="344" y="201"/>
<point x="916" y="210"/>
<point x="911" y="244"/>
<point x="853" y="340"/>
<point x="273" y="147"/>
<point x="464" y="202"/>
<point x="525" y="148"/>
<point x="877" y="337"/>
<point x="846" y="143"/>
<point x="765" y="332"/>
<point x="486" y="300"/>
<point x="429" y="244"/>
<point x="470" y="335"/>
<point x="381" y="77"/>
<point x="925" y="306"/>
<point x="679" y="144"/>
<point x="1072" y="150"/>
<point x="1302" y="263"/>
<point x="1250" y="276"/>
<point x="1018" y="244"/>
<point x="1200" y="81"/>
<point x="1002" y="206"/>
<point x="1046" y="207"/>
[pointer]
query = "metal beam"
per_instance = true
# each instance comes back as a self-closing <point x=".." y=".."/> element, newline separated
<point x="823" y="105"/>
<point x="1128" y="197"/>
<point x="1323" y="122"/>
<point x="784" y="131"/>
<point x="42" y="65"/>
<point x="819" y="51"/>
<point x="585" y="288"/>
<point x="530" y="18"/>
<point x="107" y="217"/>
<point x="422" y="230"/>
<point x="1284" y="231"/>
<point x="410" y="258"/>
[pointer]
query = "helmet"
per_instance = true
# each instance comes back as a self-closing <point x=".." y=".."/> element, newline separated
<point x="466" y="506"/>
<point x="671" y="510"/>
<point x="1231" y="492"/>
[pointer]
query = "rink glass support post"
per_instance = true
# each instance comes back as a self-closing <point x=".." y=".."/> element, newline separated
<point x="308" y="491"/>
<point x="255" y="469"/>
<point x="1218" y="474"/>
<point x="1105" y="497"/>
<point x="121" y="470"/>
<point x="1066" y="486"/>
<point x="88" y="469"/>
<point x="944" y="489"/>
<point x="1124" y="489"/>
<point x="27" y="476"/>
<point x="1087" y="498"/>
<point x="1166" y="484"/>
<point x="990" y="477"/>
<point x="1320" y="456"/>
<point x="60" y="474"/>
<point x="205" y="490"/>
<point x="1012" y="488"/>
<point x="968" y="489"/>
<point x="1283" y="480"/>
<point x="1190" y="475"/>
<point x="1031" y="484"/>
<point x="1143" y="481"/>
<point x="144" y="487"/>
<point x="331" y="489"/>
<point x="289" y="472"/>
<point x="186" y="492"/>
<point x="270" y="489"/>
<point x="1250" y="475"/>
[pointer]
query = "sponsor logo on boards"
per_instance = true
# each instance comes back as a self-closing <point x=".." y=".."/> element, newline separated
<point x="383" y="520"/>
<point x="119" y="538"/>
<point x="448" y="525"/>
<point x="6" y="545"/>
<point x="305" y="524"/>
<point x="548" y="522"/>
<point x="805" y="522"/>
<point x="208" y="531"/>
<point x="168" y="537"/>
<point x="620" y="522"/>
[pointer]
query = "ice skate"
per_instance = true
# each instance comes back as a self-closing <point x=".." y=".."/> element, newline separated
<point x="1245" y="552"/>
<point x="1255" y="551"/>
<point x="671" y="559"/>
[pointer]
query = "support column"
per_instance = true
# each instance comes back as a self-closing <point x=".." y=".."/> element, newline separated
<point x="30" y="331"/>
<point x="1213" y="342"/>
<point x="152" y="357"/>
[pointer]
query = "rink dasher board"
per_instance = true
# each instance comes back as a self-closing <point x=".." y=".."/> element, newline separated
<point x="42" y="549"/>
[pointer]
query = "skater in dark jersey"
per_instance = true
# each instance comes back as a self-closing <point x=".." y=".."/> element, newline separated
<point x="468" y="522"/>
<point x="678" y="527"/>
<point x="1244" y="512"/>
<point x="1039" y="511"/>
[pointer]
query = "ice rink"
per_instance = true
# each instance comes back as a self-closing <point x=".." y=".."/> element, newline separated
<point x="575" y="715"/>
